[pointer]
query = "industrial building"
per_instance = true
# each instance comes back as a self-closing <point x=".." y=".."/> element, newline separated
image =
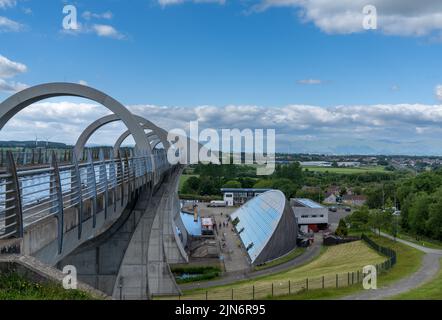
<point x="266" y="226"/>
<point x="310" y="215"/>
<point x="237" y="197"/>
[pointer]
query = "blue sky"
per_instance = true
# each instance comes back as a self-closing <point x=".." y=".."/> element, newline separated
<point x="268" y="54"/>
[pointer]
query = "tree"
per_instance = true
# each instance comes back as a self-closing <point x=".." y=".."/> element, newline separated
<point x="247" y="182"/>
<point x="232" y="184"/>
<point x="434" y="222"/>
<point x="359" y="220"/>
<point x="380" y="219"/>
<point x="374" y="198"/>
<point x="418" y="213"/>
<point x="342" y="229"/>
<point x="191" y="185"/>
<point x="263" y="184"/>
<point x="286" y="186"/>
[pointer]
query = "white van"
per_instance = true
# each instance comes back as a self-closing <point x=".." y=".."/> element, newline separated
<point x="216" y="204"/>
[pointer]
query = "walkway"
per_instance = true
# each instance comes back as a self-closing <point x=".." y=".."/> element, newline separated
<point x="429" y="268"/>
<point x="312" y="252"/>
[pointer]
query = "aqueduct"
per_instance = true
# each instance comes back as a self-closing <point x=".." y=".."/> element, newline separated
<point x="116" y="219"/>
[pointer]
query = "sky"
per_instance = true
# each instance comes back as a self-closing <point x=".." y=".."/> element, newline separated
<point x="306" y="68"/>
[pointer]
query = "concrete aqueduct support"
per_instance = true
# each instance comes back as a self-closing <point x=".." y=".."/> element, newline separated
<point x="151" y="242"/>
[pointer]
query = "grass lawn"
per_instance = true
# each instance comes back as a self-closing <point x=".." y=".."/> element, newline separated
<point x="15" y="287"/>
<point x="425" y="242"/>
<point x="184" y="178"/>
<point x="346" y="170"/>
<point x="408" y="261"/>
<point x="288" y="257"/>
<point x="429" y="291"/>
<point x="341" y="260"/>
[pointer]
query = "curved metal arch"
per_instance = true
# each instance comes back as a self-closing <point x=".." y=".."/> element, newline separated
<point x="92" y="128"/>
<point x="14" y="104"/>
<point x="153" y="140"/>
<point x="125" y="135"/>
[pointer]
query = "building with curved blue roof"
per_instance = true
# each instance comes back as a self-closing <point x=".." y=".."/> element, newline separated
<point x="267" y="227"/>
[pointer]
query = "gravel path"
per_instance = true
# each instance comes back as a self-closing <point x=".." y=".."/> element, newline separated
<point x="429" y="268"/>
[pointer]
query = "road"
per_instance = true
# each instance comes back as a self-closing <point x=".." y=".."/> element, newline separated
<point x="312" y="252"/>
<point x="428" y="270"/>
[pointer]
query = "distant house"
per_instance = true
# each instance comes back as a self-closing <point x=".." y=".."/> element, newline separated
<point x="330" y="198"/>
<point x="336" y="190"/>
<point x="354" y="200"/>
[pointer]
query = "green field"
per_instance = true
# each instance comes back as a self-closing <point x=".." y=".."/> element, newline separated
<point x="346" y="170"/>
<point x="429" y="291"/>
<point x="288" y="257"/>
<point x="408" y="261"/>
<point x="341" y="260"/>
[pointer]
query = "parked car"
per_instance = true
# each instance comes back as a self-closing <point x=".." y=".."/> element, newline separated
<point x="333" y="209"/>
<point x="217" y="204"/>
<point x="347" y="209"/>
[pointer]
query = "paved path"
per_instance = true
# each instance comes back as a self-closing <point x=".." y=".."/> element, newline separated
<point x="312" y="252"/>
<point x="411" y="244"/>
<point x="429" y="268"/>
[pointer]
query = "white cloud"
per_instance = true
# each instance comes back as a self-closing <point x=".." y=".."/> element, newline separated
<point x="88" y="15"/>
<point x="439" y="92"/>
<point x="395" y="17"/>
<point x="310" y="81"/>
<point x="11" y="86"/>
<point x="8" y="25"/>
<point x="101" y="30"/>
<point x="108" y="31"/>
<point x="383" y="128"/>
<point x="9" y="69"/>
<point x="174" y="2"/>
<point x="7" y="3"/>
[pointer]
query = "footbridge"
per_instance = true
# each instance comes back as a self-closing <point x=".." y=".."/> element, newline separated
<point x="114" y="216"/>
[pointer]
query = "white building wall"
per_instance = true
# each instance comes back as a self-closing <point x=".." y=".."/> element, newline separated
<point x="305" y="215"/>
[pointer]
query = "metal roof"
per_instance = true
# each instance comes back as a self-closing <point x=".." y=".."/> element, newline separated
<point x="258" y="220"/>
<point x="308" y="203"/>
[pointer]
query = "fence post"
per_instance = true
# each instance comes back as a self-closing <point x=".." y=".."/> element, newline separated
<point x="272" y="290"/>
<point x="58" y="199"/>
<point x="104" y="181"/>
<point x="337" y="280"/>
<point x="207" y="295"/>
<point x="306" y="284"/>
<point x="13" y="206"/>
<point x="253" y="292"/>
<point x="79" y="187"/>
<point x="290" y="287"/>
<point x="92" y="184"/>
<point x="323" y="282"/>
<point x="232" y="293"/>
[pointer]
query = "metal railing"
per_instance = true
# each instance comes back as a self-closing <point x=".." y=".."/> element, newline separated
<point x="29" y="195"/>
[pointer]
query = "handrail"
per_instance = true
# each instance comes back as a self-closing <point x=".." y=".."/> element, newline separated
<point x="49" y="191"/>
